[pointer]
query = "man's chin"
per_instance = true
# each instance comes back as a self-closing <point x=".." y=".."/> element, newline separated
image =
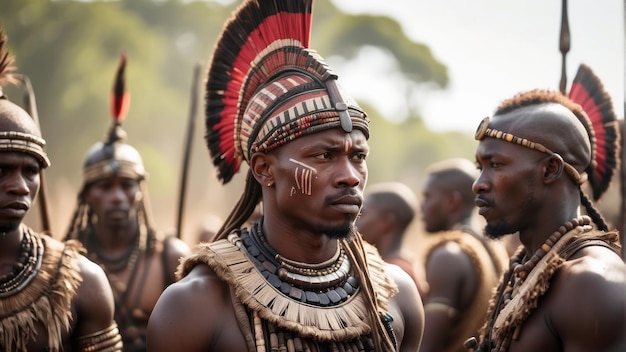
<point x="10" y="226"/>
<point x="496" y="231"/>
<point x="339" y="232"/>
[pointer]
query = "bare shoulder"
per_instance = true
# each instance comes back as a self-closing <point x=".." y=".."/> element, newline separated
<point x="447" y="262"/>
<point x="176" y="248"/>
<point x="595" y="273"/>
<point x="189" y="312"/>
<point x="94" y="299"/>
<point x="409" y="305"/>
<point x="594" y="283"/>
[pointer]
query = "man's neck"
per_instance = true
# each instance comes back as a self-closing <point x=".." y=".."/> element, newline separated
<point x="108" y="238"/>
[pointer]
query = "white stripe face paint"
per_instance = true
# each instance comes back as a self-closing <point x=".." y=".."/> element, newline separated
<point x="303" y="176"/>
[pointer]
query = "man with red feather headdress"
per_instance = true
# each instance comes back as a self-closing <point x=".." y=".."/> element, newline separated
<point x="300" y="278"/>
<point x="565" y="289"/>
<point x="114" y="223"/>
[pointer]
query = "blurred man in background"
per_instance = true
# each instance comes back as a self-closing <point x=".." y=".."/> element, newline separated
<point x="462" y="267"/>
<point x="388" y="210"/>
<point x="51" y="297"/>
<point x="114" y="223"/>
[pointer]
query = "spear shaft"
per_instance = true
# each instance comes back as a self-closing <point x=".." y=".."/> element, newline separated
<point x="623" y="155"/>
<point x="564" y="46"/>
<point x="30" y="105"/>
<point x="193" y="112"/>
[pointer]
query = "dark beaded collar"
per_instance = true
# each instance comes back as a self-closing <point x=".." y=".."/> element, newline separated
<point x="25" y="268"/>
<point x="325" y="284"/>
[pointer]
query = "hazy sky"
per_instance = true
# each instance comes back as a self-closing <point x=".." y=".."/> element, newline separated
<point x="493" y="49"/>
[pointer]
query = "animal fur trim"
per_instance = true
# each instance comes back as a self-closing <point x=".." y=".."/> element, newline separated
<point x="45" y="302"/>
<point x="343" y="322"/>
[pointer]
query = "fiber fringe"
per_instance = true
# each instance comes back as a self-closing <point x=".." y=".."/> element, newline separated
<point x="46" y="301"/>
<point x="344" y="322"/>
<point x="526" y="296"/>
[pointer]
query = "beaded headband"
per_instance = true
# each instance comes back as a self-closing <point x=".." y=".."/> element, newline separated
<point x="13" y="141"/>
<point x="483" y="131"/>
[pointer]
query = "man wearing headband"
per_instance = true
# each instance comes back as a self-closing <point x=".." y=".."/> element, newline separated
<point x="462" y="266"/>
<point x="565" y="288"/>
<point x="51" y="297"/>
<point x="300" y="278"/>
<point x="114" y="223"/>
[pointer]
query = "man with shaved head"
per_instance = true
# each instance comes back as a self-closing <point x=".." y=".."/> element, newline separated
<point x="565" y="289"/>
<point x="462" y="267"/>
<point x="388" y="211"/>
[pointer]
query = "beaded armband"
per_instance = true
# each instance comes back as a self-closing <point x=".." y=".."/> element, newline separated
<point x="106" y="340"/>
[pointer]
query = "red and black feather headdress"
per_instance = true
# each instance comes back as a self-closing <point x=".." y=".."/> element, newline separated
<point x="113" y="155"/>
<point x="261" y="62"/>
<point x="588" y="91"/>
<point x="120" y="101"/>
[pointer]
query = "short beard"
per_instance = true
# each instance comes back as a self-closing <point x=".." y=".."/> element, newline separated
<point x="497" y="230"/>
<point x="339" y="232"/>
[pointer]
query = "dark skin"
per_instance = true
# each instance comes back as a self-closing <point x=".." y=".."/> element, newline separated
<point x="92" y="306"/>
<point x="528" y="191"/>
<point x="383" y="221"/>
<point x="114" y="200"/>
<point x="297" y="221"/>
<point x="450" y="272"/>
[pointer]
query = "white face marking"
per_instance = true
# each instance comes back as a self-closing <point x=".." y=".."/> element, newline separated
<point x="303" y="177"/>
<point x="348" y="143"/>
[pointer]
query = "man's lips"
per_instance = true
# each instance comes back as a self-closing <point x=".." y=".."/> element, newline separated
<point x="482" y="204"/>
<point x="348" y="203"/>
<point x="15" y="209"/>
<point x="116" y="213"/>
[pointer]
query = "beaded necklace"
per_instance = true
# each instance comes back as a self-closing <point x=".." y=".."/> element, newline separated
<point x="516" y="276"/>
<point x="324" y="284"/>
<point x="118" y="264"/>
<point x="25" y="268"/>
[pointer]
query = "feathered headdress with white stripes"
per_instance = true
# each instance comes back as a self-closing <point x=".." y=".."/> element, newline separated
<point x="265" y="86"/>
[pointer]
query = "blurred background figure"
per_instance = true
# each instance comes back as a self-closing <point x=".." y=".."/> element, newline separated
<point x="114" y="222"/>
<point x="51" y="297"/>
<point x="388" y="210"/>
<point x="462" y="267"/>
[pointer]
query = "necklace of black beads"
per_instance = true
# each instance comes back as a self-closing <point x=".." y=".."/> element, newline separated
<point x="325" y="284"/>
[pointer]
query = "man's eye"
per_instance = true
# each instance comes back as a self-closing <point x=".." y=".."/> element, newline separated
<point x="360" y="156"/>
<point x="326" y="155"/>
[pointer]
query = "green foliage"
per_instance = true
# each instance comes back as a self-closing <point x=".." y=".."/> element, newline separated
<point x="70" y="51"/>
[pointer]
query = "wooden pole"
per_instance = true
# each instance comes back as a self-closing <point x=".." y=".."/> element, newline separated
<point x="193" y="112"/>
<point x="30" y="105"/>
<point x="564" y="46"/>
<point x="622" y="129"/>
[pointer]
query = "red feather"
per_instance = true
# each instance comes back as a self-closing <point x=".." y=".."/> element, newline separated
<point x="261" y="38"/>
<point x="120" y="98"/>
<point x="587" y="91"/>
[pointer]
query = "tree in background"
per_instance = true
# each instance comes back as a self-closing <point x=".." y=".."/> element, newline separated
<point x="69" y="49"/>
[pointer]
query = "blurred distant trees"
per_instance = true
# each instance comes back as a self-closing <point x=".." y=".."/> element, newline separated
<point x="70" y="50"/>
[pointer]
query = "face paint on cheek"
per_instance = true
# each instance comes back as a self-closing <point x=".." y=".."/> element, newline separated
<point x="303" y="177"/>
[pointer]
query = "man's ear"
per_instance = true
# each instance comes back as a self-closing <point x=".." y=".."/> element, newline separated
<point x="261" y="166"/>
<point x="553" y="168"/>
